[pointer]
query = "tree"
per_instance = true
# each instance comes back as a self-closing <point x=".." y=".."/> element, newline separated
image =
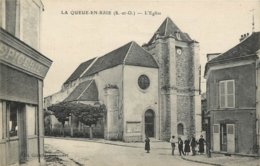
<point x="62" y="112"/>
<point x="47" y="121"/>
<point x="85" y="113"/>
<point x="89" y="115"/>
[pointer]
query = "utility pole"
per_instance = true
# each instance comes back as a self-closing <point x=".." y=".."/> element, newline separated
<point x="253" y="20"/>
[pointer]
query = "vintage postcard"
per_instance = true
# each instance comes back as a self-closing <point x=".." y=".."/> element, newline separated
<point x="118" y="83"/>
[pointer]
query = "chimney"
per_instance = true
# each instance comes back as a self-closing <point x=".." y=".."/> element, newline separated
<point x="212" y="56"/>
<point x="243" y="37"/>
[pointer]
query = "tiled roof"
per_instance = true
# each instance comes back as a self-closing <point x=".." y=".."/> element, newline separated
<point x="168" y="28"/>
<point x="137" y="56"/>
<point x="85" y="91"/>
<point x="131" y="54"/>
<point x="109" y="60"/>
<point x="247" y="47"/>
<point x="81" y="68"/>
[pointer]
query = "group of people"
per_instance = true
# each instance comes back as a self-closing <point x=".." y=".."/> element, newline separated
<point x="188" y="145"/>
<point x="183" y="147"/>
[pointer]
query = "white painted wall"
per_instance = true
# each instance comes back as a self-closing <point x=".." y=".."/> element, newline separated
<point x="109" y="76"/>
<point x="137" y="101"/>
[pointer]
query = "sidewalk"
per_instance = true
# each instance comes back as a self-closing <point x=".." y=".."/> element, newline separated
<point x="54" y="157"/>
<point x="224" y="160"/>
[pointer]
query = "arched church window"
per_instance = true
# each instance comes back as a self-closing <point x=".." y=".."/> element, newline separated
<point x="143" y="82"/>
<point x="180" y="129"/>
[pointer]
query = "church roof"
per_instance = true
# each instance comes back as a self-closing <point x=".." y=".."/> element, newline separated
<point x="129" y="54"/>
<point x="80" y="69"/>
<point x="85" y="91"/>
<point x="169" y="28"/>
<point x="245" y="49"/>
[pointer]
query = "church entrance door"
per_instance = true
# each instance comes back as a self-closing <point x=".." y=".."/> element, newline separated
<point x="149" y="123"/>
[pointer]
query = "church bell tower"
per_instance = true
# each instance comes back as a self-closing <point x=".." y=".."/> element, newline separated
<point x="179" y="80"/>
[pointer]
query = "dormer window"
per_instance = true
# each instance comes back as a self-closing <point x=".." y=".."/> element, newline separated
<point x="178" y="35"/>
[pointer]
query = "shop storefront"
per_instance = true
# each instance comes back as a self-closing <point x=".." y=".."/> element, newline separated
<point x="22" y="70"/>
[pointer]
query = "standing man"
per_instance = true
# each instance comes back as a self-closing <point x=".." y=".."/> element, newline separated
<point x="180" y="146"/>
<point x="173" y="141"/>
<point x="193" y="145"/>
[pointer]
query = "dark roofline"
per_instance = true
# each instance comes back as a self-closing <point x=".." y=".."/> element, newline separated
<point x="107" y="55"/>
<point x="129" y="45"/>
<point x="164" y="30"/>
<point x="214" y="60"/>
<point x="226" y="61"/>
<point x="242" y="49"/>
<point x="217" y="53"/>
<point x="71" y="79"/>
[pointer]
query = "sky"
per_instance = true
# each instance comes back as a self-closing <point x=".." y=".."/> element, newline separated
<point x="69" y="39"/>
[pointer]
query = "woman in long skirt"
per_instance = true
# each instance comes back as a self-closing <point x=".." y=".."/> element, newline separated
<point x="201" y="145"/>
<point x="187" y="146"/>
<point x="147" y="145"/>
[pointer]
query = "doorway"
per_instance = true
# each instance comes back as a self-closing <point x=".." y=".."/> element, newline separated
<point x="16" y="132"/>
<point x="223" y="137"/>
<point x="227" y="137"/>
<point x="149" y="123"/>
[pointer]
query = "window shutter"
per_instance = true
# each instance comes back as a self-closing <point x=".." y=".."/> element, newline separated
<point x="230" y="94"/>
<point x="215" y="128"/>
<point x="222" y="94"/>
<point x="230" y="87"/>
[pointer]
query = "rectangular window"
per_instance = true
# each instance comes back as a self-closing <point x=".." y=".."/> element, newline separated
<point x="216" y="128"/>
<point x="227" y="94"/>
<point x="13" y="111"/>
<point x="31" y="119"/>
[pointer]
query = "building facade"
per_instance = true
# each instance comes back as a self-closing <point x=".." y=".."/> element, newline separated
<point x="22" y="70"/>
<point x="151" y="90"/>
<point x="233" y="98"/>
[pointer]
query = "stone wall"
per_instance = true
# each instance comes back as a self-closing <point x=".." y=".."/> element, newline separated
<point x="179" y="85"/>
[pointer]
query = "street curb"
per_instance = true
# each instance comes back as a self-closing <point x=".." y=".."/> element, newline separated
<point x="96" y="141"/>
<point x="202" y="162"/>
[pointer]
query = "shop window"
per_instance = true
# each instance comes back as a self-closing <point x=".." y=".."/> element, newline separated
<point x="13" y="126"/>
<point x="31" y="119"/>
<point x="180" y="129"/>
<point x="227" y="94"/>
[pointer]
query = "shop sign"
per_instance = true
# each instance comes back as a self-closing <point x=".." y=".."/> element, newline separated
<point x="18" y="59"/>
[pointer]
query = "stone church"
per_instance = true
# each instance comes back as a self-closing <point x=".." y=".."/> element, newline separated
<point x="151" y="90"/>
